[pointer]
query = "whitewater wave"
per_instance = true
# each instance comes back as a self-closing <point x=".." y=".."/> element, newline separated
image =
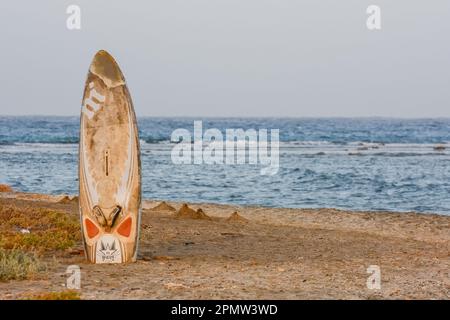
<point x="302" y="148"/>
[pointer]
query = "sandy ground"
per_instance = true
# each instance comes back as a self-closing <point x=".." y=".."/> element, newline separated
<point x="266" y="254"/>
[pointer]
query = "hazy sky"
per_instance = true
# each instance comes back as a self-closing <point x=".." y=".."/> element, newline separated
<point x="232" y="57"/>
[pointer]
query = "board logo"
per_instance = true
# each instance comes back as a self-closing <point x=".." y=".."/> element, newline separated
<point x="90" y="106"/>
<point x="108" y="250"/>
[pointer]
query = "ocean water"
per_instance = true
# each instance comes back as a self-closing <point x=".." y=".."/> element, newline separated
<point x="358" y="164"/>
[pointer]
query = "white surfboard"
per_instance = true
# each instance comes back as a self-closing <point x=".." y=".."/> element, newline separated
<point x="109" y="165"/>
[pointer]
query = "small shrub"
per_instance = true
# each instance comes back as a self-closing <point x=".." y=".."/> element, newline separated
<point x="62" y="295"/>
<point x="18" y="265"/>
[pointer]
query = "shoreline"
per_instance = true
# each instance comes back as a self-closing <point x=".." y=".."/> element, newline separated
<point x="32" y="196"/>
<point x="258" y="253"/>
<point x="378" y="222"/>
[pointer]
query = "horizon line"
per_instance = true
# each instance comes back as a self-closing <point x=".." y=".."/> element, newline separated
<point x="246" y="117"/>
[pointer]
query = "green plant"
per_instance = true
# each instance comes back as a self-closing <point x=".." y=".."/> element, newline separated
<point x="18" y="265"/>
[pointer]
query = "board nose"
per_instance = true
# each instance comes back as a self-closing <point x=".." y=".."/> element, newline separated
<point x="106" y="68"/>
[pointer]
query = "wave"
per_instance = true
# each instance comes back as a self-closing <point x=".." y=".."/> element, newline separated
<point x="6" y="143"/>
<point x="398" y="154"/>
<point x="152" y="140"/>
<point x="318" y="147"/>
<point x="44" y="144"/>
<point x="67" y="140"/>
<point x="321" y="143"/>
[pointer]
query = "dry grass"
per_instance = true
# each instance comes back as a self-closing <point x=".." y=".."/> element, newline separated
<point x="18" y="265"/>
<point x="62" y="295"/>
<point x="48" y="229"/>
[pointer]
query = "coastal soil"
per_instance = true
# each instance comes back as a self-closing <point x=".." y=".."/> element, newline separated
<point x="234" y="252"/>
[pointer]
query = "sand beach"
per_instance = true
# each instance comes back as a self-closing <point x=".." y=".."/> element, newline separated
<point x="211" y="251"/>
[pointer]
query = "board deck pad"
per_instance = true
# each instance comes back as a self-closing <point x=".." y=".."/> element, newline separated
<point x="109" y="166"/>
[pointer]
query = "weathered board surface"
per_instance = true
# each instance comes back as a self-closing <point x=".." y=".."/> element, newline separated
<point x="109" y="165"/>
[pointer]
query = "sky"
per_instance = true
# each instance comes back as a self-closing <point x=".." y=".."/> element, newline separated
<point x="232" y="58"/>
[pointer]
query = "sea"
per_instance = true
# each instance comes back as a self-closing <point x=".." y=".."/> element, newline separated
<point x="373" y="164"/>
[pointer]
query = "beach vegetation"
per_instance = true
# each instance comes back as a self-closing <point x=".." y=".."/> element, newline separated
<point x="37" y="229"/>
<point x="60" y="295"/>
<point x="19" y="265"/>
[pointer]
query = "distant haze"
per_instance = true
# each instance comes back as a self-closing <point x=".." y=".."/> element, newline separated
<point x="283" y="58"/>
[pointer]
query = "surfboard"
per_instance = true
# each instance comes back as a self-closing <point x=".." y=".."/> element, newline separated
<point x="109" y="165"/>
